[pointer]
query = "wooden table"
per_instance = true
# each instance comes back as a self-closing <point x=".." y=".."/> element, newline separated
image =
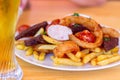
<point x="108" y="14"/>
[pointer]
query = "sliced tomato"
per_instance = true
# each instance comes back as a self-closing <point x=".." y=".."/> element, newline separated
<point x="22" y="28"/>
<point x="86" y="36"/>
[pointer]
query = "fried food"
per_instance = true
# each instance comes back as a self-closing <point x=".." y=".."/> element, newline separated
<point x="29" y="51"/>
<point x="89" y="23"/>
<point x="66" y="61"/>
<point x="50" y="40"/>
<point x="42" y="56"/>
<point x="111" y="32"/>
<point x="46" y="47"/>
<point x="66" y="47"/>
<point x="73" y="57"/>
<point x="109" y="60"/>
<point x="84" y="44"/>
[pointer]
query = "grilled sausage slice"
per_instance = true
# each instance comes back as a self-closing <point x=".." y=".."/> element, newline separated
<point x="31" y="31"/>
<point x="35" y="40"/>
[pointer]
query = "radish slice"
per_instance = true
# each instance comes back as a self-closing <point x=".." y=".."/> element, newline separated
<point x="59" y="32"/>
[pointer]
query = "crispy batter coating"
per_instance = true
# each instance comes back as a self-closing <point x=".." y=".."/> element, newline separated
<point x="65" y="47"/>
<point x="111" y="32"/>
<point x="89" y="23"/>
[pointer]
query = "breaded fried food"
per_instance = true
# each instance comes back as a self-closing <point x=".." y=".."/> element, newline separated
<point x="111" y="32"/>
<point x="89" y="23"/>
<point x="65" y="47"/>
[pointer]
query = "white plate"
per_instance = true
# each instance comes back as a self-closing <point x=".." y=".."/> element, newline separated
<point x="48" y="63"/>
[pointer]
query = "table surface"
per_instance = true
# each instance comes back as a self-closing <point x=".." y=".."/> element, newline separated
<point x="41" y="10"/>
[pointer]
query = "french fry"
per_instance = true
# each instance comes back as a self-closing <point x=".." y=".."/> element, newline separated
<point x="50" y="40"/>
<point x="115" y="54"/>
<point x="66" y="61"/>
<point x="102" y="57"/>
<point x="89" y="57"/>
<point x="109" y="60"/>
<point x="79" y="54"/>
<point x="108" y="53"/>
<point x="86" y="51"/>
<point x="19" y="42"/>
<point x="82" y="53"/>
<point x="40" y="50"/>
<point x="42" y="56"/>
<point x="36" y="55"/>
<point x="20" y="46"/>
<point x="115" y="50"/>
<point x="94" y="62"/>
<point x="73" y="57"/>
<point x="97" y="50"/>
<point x="41" y="31"/>
<point x="29" y="51"/>
<point x="26" y="48"/>
<point x="46" y="47"/>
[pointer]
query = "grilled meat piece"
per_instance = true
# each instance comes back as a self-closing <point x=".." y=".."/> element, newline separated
<point x="77" y="28"/>
<point x="35" y="40"/>
<point x="110" y="43"/>
<point x="31" y="31"/>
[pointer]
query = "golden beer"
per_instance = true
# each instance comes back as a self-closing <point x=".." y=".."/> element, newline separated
<point x="8" y="19"/>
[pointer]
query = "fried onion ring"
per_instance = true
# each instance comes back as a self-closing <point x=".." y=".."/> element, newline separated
<point x="111" y="32"/>
<point x="89" y="23"/>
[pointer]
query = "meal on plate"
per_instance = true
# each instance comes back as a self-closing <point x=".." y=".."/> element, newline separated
<point x="73" y="40"/>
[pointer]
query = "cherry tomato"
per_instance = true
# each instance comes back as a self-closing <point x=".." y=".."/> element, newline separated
<point x="56" y="21"/>
<point x="86" y="36"/>
<point x="22" y="28"/>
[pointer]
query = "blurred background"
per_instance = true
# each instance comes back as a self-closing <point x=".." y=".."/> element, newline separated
<point x="102" y="11"/>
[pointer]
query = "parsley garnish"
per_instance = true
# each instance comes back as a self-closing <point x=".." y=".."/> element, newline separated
<point x="106" y="39"/>
<point x="44" y="32"/>
<point x="76" y="25"/>
<point x="75" y="14"/>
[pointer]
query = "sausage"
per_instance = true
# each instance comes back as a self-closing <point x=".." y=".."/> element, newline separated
<point x="59" y="32"/>
<point x="31" y="31"/>
<point x="35" y="40"/>
<point x="77" y="28"/>
<point x="110" y="44"/>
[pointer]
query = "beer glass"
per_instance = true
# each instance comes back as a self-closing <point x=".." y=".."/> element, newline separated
<point x="9" y="68"/>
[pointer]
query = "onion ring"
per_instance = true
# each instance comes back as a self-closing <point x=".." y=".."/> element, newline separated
<point x="89" y="23"/>
<point x="111" y="32"/>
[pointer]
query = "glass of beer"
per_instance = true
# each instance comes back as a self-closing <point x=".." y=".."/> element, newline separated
<point x="9" y="68"/>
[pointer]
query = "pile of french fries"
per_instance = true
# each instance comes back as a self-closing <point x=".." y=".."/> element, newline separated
<point x="96" y="56"/>
<point x="30" y="51"/>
